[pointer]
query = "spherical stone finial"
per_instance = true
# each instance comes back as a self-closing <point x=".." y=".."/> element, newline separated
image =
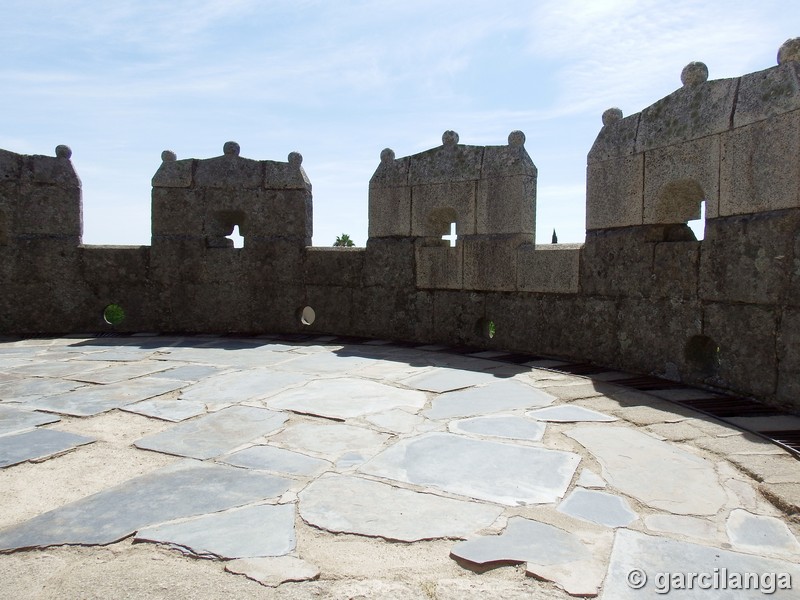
<point x="63" y="151"/>
<point x="387" y="155"/>
<point x="231" y="149"/>
<point x="295" y="159"/>
<point x="168" y="156"/>
<point x="789" y="51"/>
<point x="516" y="138"/>
<point x="449" y="138"/>
<point x="612" y="115"/>
<point x="694" y="73"/>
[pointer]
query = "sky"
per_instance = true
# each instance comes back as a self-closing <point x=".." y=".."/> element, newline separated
<point x="340" y="80"/>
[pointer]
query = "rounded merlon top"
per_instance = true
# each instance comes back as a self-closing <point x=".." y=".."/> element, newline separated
<point x="612" y="115"/>
<point x="295" y="159"/>
<point x="63" y="151"/>
<point x="168" y="156"/>
<point x="516" y="138"/>
<point x="387" y="155"/>
<point x="789" y="51"/>
<point x="449" y="138"/>
<point x="231" y="149"/>
<point x="694" y="73"/>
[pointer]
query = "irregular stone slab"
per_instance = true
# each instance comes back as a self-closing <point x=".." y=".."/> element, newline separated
<point x="345" y="398"/>
<point x="88" y="401"/>
<point x="445" y="380"/>
<point x="184" y="489"/>
<point x="191" y="373"/>
<point x="15" y="420"/>
<point x="636" y="554"/>
<point x="243" y="358"/>
<point x="231" y="388"/>
<point x="759" y="533"/>
<point x="37" y="444"/>
<point x="271" y="458"/>
<point x="120" y="354"/>
<point x="57" y="368"/>
<point x="682" y="525"/>
<point x="120" y="372"/>
<point x="503" y="426"/>
<point x="590" y="479"/>
<point x="682" y="484"/>
<point x="344" y="504"/>
<point x="214" y="434"/>
<point x="167" y="410"/>
<point x="262" y="530"/>
<point x="499" y="396"/>
<point x="275" y="570"/>
<point x="396" y="420"/>
<point x="523" y="541"/>
<point x="495" y="471"/>
<point x="598" y="507"/>
<point x="569" y="414"/>
<point x="326" y="362"/>
<point x="25" y="390"/>
<point x="330" y="440"/>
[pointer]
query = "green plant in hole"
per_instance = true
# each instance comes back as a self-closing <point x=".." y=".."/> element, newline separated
<point x="113" y="314"/>
<point x="492" y="329"/>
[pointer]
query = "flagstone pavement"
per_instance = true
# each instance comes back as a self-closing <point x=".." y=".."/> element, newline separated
<point x="315" y="468"/>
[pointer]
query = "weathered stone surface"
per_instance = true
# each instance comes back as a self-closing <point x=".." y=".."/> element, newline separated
<point x="767" y="93"/>
<point x="476" y="468"/>
<point x="568" y="414"/>
<point x="213" y="434"/>
<point x="253" y="531"/>
<point x="551" y="554"/>
<point x="506" y="205"/>
<point x="439" y="266"/>
<point x="344" y="398"/>
<point x="37" y="444"/>
<point x="343" y="504"/>
<point x="747" y="354"/>
<point x="502" y="426"/>
<point x="15" y="420"/>
<point x="682" y="525"/>
<point x="168" y="410"/>
<point x="641" y="554"/>
<point x="756" y="168"/>
<point x="523" y="540"/>
<point x="614" y="193"/>
<point x="689" y="113"/>
<point x="745" y="258"/>
<point x="240" y="386"/>
<point x="683" y="484"/>
<point x="598" y="507"/>
<point x="617" y="138"/>
<point x="760" y="534"/>
<point x="271" y="458"/>
<point x="490" y="261"/>
<point x="273" y="571"/>
<point x="677" y="178"/>
<point x="185" y="489"/>
<point x="87" y="401"/>
<point x="330" y="440"/>
<point x="552" y="269"/>
<point x="389" y="211"/>
<point x="446" y="380"/>
<point x="493" y="397"/>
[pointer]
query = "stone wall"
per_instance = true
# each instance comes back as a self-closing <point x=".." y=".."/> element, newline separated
<point x="640" y="294"/>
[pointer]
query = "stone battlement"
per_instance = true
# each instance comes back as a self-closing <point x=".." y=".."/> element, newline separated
<point x="640" y="294"/>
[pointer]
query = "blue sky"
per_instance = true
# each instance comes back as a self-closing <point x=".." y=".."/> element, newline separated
<point x="338" y="81"/>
